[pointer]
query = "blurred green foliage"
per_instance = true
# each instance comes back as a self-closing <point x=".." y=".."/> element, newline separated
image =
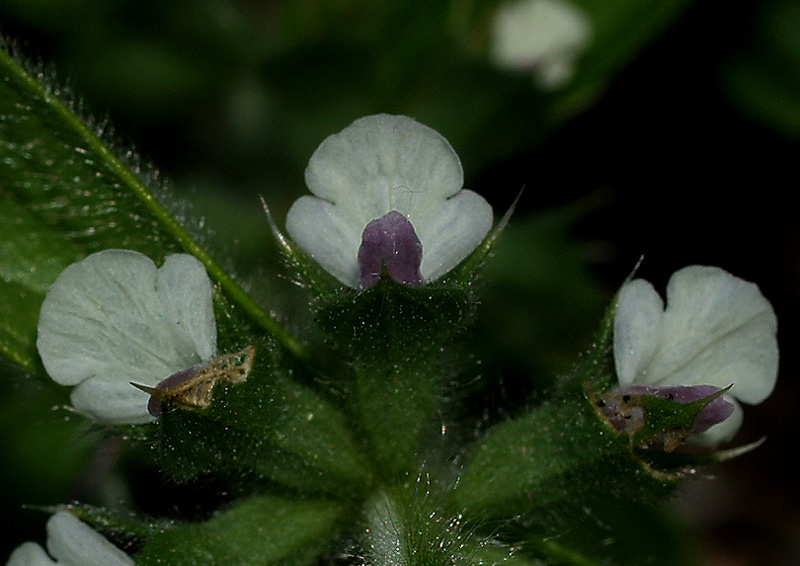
<point x="763" y="77"/>
<point x="246" y="90"/>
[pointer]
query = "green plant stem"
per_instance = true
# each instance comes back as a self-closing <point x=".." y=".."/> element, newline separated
<point x="129" y="180"/>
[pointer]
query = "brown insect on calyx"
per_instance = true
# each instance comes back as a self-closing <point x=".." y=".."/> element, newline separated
<point x="194" y="386"/>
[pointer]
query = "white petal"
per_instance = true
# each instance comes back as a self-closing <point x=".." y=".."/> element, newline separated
<point x="718" y="330"/>
<point x="721" y="432"/>
<point x="327" y="235"/>
<point x="74" y="543"/>
<point x="114" y="317"/>
<point x="376" y="165"/>
<point x="102" y="316"/>
<point x="528" y="33"/>
<point x="637" y="331"/>
<point x="29" y="554"/>
<point x="185" y="289"/>
<point x="111" y="402"/>
<point x="381" y="163"/>
<point x="453" y="234"/>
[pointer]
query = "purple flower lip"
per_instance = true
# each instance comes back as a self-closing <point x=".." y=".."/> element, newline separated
<point x="390" y="243"/>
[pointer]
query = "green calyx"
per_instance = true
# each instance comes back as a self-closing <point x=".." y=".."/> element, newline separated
<point x="395" y="339"/>
<point x="265" y="425"/>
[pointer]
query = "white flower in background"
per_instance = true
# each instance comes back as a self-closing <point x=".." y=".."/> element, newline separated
<point x="387" y="189"/>
<point x="69" y="543"/>
<point x="716" y="330"/>
<point x="544" y="37"/>
<point x="114" y="318"/>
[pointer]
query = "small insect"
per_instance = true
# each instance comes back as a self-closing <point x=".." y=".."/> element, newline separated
<point x="622" y="412"/>
<point x="193" y="387"/>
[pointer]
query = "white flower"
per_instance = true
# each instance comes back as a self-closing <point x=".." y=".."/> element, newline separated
<point x="377" y="166"/>
<point x="70" y="543"/>
<point x="114" y="318"/>
<point x="716" y="330"/>
<point x="543" y="36"/>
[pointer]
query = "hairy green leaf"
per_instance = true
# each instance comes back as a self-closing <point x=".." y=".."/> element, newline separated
<point x="64" y="193"/>
<point x="552" y="458"/>
<point x="259" y="531"/>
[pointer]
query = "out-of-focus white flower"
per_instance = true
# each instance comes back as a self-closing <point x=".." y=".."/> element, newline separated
<point x="716" y="330"/>
<point x="114" y="318"/>
<point x="69" y="543"/>
<point x="387" y="190"/>
<point x="544" y="37"/>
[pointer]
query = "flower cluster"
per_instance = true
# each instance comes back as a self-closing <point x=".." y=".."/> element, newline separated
<point x="388" y="200"/>
<point x="388" y="195"/>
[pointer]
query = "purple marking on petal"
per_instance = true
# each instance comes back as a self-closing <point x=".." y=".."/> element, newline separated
<point x="154" y="406"/>
<point x="391" y="241"/>
<point x="714" y="413"/>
